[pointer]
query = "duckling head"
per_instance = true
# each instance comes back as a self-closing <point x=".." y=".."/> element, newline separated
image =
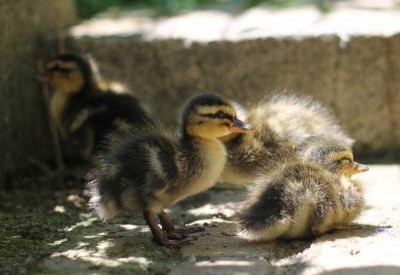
<point x="336" y="158"/>
<point x="209" y="116"/>
<point x="69" y="73"/>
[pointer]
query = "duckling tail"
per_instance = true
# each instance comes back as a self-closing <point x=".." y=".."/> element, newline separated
<point x="104" y="206"/>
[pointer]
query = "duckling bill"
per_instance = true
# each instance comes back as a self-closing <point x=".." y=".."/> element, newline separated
<point x="150" y="169"/>
<point x="305" y="199"/>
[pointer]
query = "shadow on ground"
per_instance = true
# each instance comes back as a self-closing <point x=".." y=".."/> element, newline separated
<point x="54" y="233"/>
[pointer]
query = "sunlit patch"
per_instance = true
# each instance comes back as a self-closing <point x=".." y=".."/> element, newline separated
<point x="88" y="221"/>
<point x="58" y="242"/>
<point x="99" y="255"/>
<point x="99" y="235"/>
<point x="83" y="244"/>
<point x="59" y="209"/>
<point x="209" y="221"/>
<point x="143" y="262"/>
<point x="76" y="200"/>
<point x="213" y="209"/>
<point x="128" y="226"/>
<point x="144" y="229"/>
<point x="223" y="263"/>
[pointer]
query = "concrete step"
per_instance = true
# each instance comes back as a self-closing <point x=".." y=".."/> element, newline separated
<point x="355" y="74"/>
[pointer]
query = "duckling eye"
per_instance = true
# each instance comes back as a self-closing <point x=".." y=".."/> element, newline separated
<point x="220" y="114"/>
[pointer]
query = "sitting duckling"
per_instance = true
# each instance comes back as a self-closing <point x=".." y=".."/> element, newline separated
<point x="283" y="126"/>
<point x="82" y="108"/>
<point x="148" y="170"/>
<point x="307" y="198"/>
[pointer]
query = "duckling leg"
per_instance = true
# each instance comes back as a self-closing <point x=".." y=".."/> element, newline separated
<point x="177" y="233"/>
<point x="169" y="227"/>
<point x="159" y="234"/>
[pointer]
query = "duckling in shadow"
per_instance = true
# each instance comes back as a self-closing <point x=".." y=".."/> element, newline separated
<point x="84" y="109"/>
<point x="306" y="199"/>
<point x="284" y="126"/>
<point x="149" y="169"/>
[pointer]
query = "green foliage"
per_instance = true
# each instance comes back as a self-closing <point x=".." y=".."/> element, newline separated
<point x="87" y="8"/>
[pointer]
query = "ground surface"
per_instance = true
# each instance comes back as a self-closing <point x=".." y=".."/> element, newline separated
<point x="54" y="233"/>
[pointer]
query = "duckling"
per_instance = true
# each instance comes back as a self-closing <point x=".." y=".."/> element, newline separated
<point x="84" y="108"/>
<point x="149" y="169"/>
<point x="284" y="126"/>
<point x="299" y="118"/>
<point x="307" y="198"/>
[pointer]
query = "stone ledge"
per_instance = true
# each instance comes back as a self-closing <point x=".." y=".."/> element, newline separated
<point x="357" y="79"/>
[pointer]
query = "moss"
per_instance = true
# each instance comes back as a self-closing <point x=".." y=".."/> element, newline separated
<point x="28" y="226"/>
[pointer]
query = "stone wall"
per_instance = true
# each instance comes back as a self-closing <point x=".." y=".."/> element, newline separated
<point x="358" y="80"/>
<point x="24" y="24"/>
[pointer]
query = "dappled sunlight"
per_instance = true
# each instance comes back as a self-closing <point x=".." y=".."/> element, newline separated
<point x="98" y="244"/>
<point x="128" y="226"/>
<point x="214" y="209"/>
<point x="98" y="256"/>
<point x="224" y="263"/>
<point x="99" y="235"/>
<point x="59" y="209"/>
<point x="76" y="200"/>
<point x="58" y="242"/>
<point x="88" y="220"/>
<point x="209" y="221"/>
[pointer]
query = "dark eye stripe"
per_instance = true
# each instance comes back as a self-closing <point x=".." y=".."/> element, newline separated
<point x="218" y="115"/>
<point x="59" y="69"/>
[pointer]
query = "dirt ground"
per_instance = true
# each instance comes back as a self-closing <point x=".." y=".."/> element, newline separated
<point x="47" y="232"/>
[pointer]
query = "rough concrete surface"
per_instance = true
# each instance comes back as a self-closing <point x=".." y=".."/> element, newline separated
<point x="394" y="78"/>
<point x="23" y="25"/>
<point x="346" y="58"/>
<point x="124" y="246"/>
<point x="357" y="81"/>
<point x="363" y="98"/>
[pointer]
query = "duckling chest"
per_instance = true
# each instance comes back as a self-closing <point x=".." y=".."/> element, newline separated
<point x="58" y="104"/>
<point x="213" y="158"/>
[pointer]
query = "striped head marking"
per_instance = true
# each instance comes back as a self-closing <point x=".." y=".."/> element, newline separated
<point x="209" y="116"/>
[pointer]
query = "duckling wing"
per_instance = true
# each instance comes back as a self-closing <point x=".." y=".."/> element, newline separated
<point x="102" y="110"/>
<point x="133" y="172"/>
<point x="125" y="107"/>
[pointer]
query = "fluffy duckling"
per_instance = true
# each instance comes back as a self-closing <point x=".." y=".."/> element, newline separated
<point x="306" y="199"/>
<point x="85" y="109"/>
<point x="146" y="171"/>
<point x="298" y="119"/>
<point x="284" y="125"/>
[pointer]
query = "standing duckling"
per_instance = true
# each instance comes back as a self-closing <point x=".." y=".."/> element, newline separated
<point x="305" y="199"/>
<point x="84" y="110"/>
<point x="283" y="125"/>
<point x="148" y="170"/>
